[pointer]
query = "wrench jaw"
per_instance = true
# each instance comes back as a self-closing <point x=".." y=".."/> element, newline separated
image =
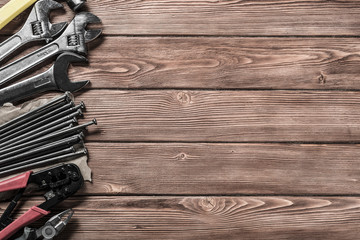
<point x="38" y="24"/>
<point x="48" y="30"/>
<point x="76" y="35"/>
<point x="60" y="70"/>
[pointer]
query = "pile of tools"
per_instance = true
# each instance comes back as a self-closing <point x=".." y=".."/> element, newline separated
<point x="44" y="136"/>
<point x="50" y="133"/>
<point x="67" y="40"/>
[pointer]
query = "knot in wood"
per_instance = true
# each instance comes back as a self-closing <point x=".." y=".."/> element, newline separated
<point x="208" y="204"/>
<point x="322" y="78"/>
<point x="184" y="98"/>
<point x="181" y="156"/>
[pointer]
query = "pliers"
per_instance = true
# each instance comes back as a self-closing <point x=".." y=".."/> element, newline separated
<point x="51" y="229"/>
<point x="60" y="182"/>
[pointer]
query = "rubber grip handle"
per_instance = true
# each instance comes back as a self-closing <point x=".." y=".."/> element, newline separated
<point x="34" y="214"/>
<point x="17" y="182"/>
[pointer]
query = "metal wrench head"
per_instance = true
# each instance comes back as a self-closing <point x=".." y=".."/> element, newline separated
<point x="38" y="23"/>
<point x="76" y="35"/>
<point x="60" y="70"/>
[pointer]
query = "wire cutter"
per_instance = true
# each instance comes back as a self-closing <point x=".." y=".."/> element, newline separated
<point x="60" y="182"/>
<point x="51" y="229"/>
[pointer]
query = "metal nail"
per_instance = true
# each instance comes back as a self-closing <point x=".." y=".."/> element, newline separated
<point x="40" y="126"/>
<point x="36" y="134"/>
<point x="43" y="149"/>
<point x="41" y="163"/>
<point x="63" y="98"/>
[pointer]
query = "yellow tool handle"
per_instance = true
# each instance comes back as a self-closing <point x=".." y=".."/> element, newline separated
<point x="13" y="8"/>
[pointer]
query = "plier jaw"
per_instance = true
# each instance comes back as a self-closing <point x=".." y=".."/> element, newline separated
<point x="51" y="229"/>
<point x="60" y="183"/>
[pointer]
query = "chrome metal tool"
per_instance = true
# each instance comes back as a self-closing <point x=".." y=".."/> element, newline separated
<point x="36" y="28"/>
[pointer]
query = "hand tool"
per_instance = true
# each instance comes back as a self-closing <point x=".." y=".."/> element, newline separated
<point x="59" y="134"/>
<point x="60" y="183"/>
<point x="51" y="229"/>
<point x="55" y="78"/>
<point x="32" y="163"/>
<point x="36" y="28"/>
<point x="45" y="119"/>
<point x="75" y="4"/>
<point x="73" y="39"/>
<point x="50" y="106"/>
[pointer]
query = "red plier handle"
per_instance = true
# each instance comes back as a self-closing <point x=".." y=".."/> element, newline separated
<point x="32" y="215"/>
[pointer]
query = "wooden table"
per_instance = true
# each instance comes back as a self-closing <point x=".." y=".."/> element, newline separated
<point x="221" y="120"/>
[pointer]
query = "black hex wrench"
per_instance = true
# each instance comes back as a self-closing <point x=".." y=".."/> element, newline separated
<point x="32" y="163"/>
<point x="51" y="116"/>
<point x="53" y="146"/>
<point x="8" y="152"/>
<point x="63" y="133"/>
<point x="35" y="134"/>
<point x="40" y="127"/>
<point x="55" y="103"/>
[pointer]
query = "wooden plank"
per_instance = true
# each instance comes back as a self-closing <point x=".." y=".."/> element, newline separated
<point x="220" y="63"/>
<point x="207" y="218"/>
<point x="223" y="63"/>
<point x="199" y="168"/>
<point x="224" y="116"/>
<point x="245" y="18"/>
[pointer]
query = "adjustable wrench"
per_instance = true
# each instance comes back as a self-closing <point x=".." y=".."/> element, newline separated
<point x="73" y="39"/>
<point x="36" y="28"/>
<point x="53" y="79"/>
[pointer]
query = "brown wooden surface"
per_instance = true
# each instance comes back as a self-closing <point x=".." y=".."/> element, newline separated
<point x="220" y="120"/>
<point x="224" y="116"/>
<point x="226" y="18"/>
<point x="223" y="63"/>
<point x="213" y="218"/>
<point x="223" y="169"/>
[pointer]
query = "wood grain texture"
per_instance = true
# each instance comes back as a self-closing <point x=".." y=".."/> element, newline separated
<point x="222" y="63"/>
<point x="245" y="18"/>
<point x="212" y="218"/>
<point x="224" y="116"/>
<point x="223" y="169"/>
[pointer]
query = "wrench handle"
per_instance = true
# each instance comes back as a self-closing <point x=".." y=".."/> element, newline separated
<point x="32" y="86"/>
<point x="26" y="63"/>
<point x="9" y="46"/>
